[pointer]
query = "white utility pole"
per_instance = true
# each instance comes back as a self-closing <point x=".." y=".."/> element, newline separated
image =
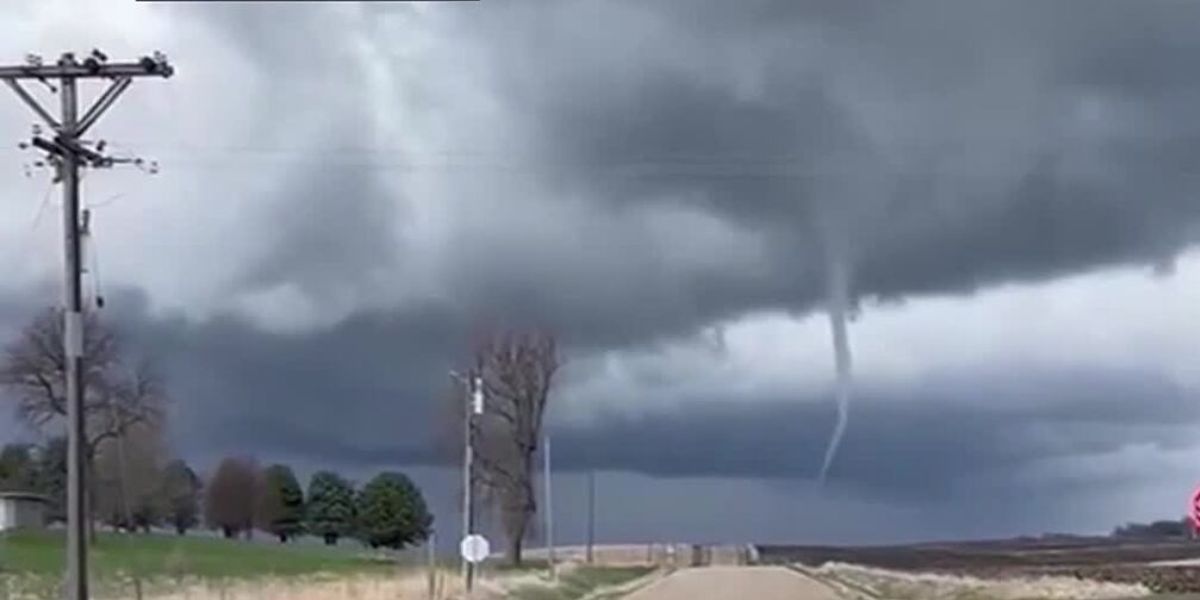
<point x="474" y="406"/>
<point x="67" y="152"/>
<point x="591" y="521"/>
<point x="546" y="485"/>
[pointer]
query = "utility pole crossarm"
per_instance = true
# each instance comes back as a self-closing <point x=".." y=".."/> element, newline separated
<point x="90" y="69"/>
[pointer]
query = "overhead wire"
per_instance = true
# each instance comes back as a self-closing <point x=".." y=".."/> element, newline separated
<point x="107" y="201"/>
<point x="680" y="164"/>
<point x="37" y="216"/>
<point x="24" y="247"/>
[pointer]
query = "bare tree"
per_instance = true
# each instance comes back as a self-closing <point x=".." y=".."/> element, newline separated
<point x="517" y="369"/>
<point x="128" y="478"/>
<point x="116" y="397"/>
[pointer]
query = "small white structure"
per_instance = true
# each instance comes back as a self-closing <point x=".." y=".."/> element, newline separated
<point x="22" y="510"/>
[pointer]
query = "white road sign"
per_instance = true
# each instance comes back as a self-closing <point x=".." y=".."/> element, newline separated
<point x="474" y="548"/>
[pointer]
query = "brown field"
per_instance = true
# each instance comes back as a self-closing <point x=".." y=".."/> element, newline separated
<point x="375" y="587"/>
<point x="1161" y="566"/>
<point x="872" y="582"/>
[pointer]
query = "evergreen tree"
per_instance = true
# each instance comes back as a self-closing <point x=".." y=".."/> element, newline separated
<point x="281" y="503"/>
<point x="392" y="512"/>
<point x="330" y="506"/>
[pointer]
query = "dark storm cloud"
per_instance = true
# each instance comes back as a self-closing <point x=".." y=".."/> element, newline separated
<point x="939" y="212"/>
<point x="916" y="445"/>
<point x="16" y="307"/>
<point x="367" y="388"/>
<point x="1047" y="228"/>
<point x="942" y="142"/>
<point x="332" y="231"/>
<point x="372" y="389"/>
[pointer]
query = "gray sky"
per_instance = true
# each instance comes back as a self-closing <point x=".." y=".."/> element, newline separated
<point x="348" y="192"/>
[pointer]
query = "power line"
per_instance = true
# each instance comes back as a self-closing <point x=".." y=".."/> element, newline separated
<point x="106" y="202"/>
<point x="700" y="166"/>
<point x="37" y="216"/>
<point x="24" y="246"/>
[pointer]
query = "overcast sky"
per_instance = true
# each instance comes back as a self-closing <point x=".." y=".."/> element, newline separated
<point x="348" y="191"/>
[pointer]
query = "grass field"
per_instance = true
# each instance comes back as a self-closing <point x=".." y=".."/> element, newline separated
<point x="168" y="567"/>
<point x="42" y="553"/>
<point x="31" y="564"/>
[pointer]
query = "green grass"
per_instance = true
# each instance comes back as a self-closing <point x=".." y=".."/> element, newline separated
<point x="504" y="566"/>
<point x="580" y="582"/>
<point x="150" y="556"/>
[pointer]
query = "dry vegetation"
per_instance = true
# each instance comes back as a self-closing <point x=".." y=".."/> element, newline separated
<point x="578" y="581"/>
<point x="981" y="556"/>
<point x="1160" y="566"/>
<point x="399" y="586"/>
<point x="1160" y="579"/>
<point x="880" y="583"/>
<point x="361" y="587"/>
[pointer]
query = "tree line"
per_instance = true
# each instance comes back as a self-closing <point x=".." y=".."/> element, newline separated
<point x="134" y="484"/>
<point x="1165" y="528"/>
<point x="389" y="511"/>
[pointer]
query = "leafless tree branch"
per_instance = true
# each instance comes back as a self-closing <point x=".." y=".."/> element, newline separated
<point x="116" y="398"/>
<point x="517" y="369"/>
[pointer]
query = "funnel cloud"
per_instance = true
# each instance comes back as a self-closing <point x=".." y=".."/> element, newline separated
<point x="839" y="285"/>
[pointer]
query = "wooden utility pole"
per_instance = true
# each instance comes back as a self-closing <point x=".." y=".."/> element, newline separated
<point x="68" y="152"/>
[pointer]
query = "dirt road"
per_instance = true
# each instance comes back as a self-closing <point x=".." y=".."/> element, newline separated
<point x="734" y="583"/>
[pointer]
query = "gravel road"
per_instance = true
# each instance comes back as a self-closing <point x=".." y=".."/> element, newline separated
<point x="734" y="583"/>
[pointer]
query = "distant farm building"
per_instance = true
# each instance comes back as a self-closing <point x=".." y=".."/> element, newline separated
<point x="21" y="510"/>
